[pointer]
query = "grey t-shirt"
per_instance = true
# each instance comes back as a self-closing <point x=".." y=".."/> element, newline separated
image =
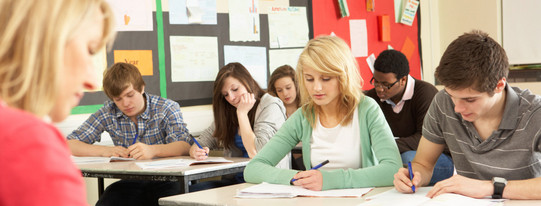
<point x="512" y="151"/>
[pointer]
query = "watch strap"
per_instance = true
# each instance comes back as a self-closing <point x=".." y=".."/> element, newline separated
<point x="498" y="190"/>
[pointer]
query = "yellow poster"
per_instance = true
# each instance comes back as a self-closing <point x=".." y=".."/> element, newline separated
<point x="142" y="59"/>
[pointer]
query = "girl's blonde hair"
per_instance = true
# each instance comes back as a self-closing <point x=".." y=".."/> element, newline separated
<point x="34" y="35"/>
<point x="331" y="56"/>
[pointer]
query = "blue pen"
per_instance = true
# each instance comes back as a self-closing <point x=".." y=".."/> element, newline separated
<point x="315" y="168"/>
<point x="410" y="170"/>
<point x="197" y="143"/>
<point x="134" y="139"/>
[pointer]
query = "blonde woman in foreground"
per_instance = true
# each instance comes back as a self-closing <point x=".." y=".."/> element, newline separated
<point x="340" y="124"/>
<point x="45" y="64"/>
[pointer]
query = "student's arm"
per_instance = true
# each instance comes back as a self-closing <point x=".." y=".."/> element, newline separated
<point x="79" y="148"/>
<point x="516" y="189"/>
<point x="81" y="140"/>
<point x="268" y="120"/>
<point x="143" y="151"/>
<point x="422" y="165"/>
<point x="245" y="129"/>
<point x="207" y="141"/>
<point x="262" y="167"/>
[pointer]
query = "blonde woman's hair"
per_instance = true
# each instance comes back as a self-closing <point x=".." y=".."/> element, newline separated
<point x="331" y="56"/>
<point x="33" y="36"/>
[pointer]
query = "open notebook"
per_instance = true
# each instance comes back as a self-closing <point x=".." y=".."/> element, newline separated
<point x="172" y="163"/>
<point x="393" y="197"/>
<point x="267" y="190"/>
<point x="89" y="160"/>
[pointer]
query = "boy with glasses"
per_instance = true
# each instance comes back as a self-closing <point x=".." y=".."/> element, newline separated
<point x="404" y="102"/>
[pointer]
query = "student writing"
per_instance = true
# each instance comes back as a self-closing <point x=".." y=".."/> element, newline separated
<point x="245" y="118"/>
<point x="490" y="127"/>
<point x="404" y="102"/>
<point x="337" y="123"/>
<point x="141" y="125"/>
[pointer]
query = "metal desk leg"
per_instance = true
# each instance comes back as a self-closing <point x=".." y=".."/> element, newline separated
<point x="184" y="187"/>
<point x="100" y="186"/>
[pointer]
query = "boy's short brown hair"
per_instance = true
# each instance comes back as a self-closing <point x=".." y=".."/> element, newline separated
<point x="119" y="77"/>
<point x="473" y="60"/>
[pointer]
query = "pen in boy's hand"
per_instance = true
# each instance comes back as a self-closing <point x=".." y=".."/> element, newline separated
<point x="197" y="143"/>
<point x="134" y="139"/>
<point x="410" y="170"/>
<point x="315" y="168"/>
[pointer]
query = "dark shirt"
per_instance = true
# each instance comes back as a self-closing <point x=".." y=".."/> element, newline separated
<point x="408" y="123"/>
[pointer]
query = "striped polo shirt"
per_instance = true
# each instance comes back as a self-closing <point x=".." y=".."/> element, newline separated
<point x="512" y="151"/>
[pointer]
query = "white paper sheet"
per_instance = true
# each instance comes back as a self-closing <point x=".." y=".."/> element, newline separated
<point x="253" y="58"/>
<point x="267" y="190"/>
<point x="393" y="197"/>
<point x="132" y="15"/>
<point x="193" y="58"/>
<point x="173" y="163"/>
<point x="244" y="20"/>
<point x="359" y="38"/>
<point x="288" y="27"/>
<point x="265" y="5"/>
<point x="192" y="12"/>
<point x="370" y="61"/>
<point x="279" y="57"/>
<point x="90" y="160"/>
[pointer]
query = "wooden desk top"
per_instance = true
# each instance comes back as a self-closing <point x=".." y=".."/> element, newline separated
<point x="226" y="196"/>
<point x="129" y="167"/>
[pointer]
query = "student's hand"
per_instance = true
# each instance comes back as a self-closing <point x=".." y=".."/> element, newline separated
<point x="141" y="151"/>
<point x="116" y="151"/>
<point x="402" y="182"/>
<point x="462" y="185"/>
<point x="310" y="179"/>
<point x="198" y="153"/>
<point x="246" y="103"/>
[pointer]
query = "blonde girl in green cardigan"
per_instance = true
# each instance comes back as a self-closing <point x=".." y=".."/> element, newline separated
<point x="336" y="123"/>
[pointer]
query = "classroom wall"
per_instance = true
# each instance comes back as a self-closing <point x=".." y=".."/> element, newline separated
<point x="444" y="21"/>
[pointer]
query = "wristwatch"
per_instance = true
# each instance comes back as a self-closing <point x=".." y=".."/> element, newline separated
<point x="499" y="184"/>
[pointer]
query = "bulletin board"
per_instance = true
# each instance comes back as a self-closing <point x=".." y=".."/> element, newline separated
<point x="327" y="19"/>
<point x="157" y="43"/>
<point x="323" y="17"/>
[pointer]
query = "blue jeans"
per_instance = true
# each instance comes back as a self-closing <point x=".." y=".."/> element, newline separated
<point x="443" y="169"/>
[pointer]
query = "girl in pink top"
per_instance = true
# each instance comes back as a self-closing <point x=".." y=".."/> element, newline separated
<point x="45" y="65"/>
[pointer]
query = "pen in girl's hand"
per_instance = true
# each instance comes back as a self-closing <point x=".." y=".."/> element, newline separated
<point x="194" y="140"/>
<point x="315" y="168"/>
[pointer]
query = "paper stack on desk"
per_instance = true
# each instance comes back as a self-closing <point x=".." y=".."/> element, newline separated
<point x="267" y="190"/>
<point x="172" y="163"/>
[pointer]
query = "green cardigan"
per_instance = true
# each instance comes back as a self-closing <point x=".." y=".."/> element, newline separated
<point x="380" y="157"/>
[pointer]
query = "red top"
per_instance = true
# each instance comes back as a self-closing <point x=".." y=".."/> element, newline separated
<point x="35" y="163"/>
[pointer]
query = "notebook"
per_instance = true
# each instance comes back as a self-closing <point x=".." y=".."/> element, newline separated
<point x="267" y="190"/>
<point x="172" y="163"/>
<point x="393" y="197"/>
<point x="89" y="160"/>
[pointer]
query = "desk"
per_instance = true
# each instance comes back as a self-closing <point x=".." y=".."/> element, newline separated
<point x="225" y="196"/>
<point x="129" y="170"/>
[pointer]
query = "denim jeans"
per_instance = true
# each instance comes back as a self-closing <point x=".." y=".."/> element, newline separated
<point x="443" y="169"/>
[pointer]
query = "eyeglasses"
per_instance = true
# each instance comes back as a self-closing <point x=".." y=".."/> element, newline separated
<point x="383" y="86"/>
